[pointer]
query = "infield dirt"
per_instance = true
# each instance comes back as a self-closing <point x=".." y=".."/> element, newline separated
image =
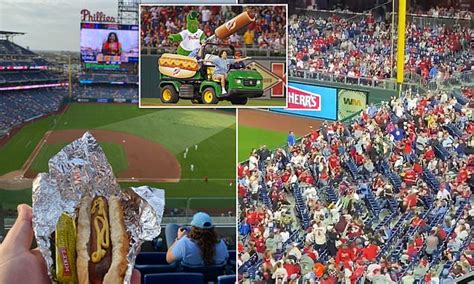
<point x="147" y="161"/>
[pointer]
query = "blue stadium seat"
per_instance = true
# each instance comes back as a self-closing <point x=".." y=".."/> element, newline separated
<point x="210" y="272"/>
<point x="232" y="257"/>
<point x="151" y="258"/>
<point x="175" y="278"/>
<point x="226" y="279"/>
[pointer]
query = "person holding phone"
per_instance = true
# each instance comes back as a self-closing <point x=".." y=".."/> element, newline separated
<point x="195" y="245"/>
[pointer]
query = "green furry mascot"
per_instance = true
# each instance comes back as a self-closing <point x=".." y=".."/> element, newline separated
<point x="191" y="37"/>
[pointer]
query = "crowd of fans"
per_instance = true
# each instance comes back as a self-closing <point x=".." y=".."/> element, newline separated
<point x="267" y="32"/>
<point x="362" y="48"/>
<point x="20" y="106"/>
<point x="436" y="12"/>
<point x="386" y="198"/>
<point x="105" y="91"/>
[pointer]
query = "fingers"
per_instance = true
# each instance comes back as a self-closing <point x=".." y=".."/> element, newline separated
<point x="20" y="236"/>
<point x="136" y="277"/>
<point x="41" y="265"/>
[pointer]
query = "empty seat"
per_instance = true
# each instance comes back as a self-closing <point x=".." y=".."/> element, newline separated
<point x="151" y="258"/>
<point x="210" y="272"/>
<point x="175" y="278"/>
<point x="226" y="279"/>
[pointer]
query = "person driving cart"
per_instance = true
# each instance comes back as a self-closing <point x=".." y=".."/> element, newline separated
<point x="222" y="64"/>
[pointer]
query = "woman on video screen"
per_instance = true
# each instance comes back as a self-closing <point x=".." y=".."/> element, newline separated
<point x="112" y="46"/>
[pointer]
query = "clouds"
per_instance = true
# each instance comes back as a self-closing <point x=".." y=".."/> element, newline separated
<point x="49" y="24"/>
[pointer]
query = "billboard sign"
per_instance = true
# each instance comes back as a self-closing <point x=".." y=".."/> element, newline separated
<point x="313" y="101"/>
<point x="350" y="102"/>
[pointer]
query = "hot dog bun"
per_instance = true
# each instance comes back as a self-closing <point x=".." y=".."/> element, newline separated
<point x="119" y="238"/>
<point x="102" y="241"/>
<point x="82" y="242"/>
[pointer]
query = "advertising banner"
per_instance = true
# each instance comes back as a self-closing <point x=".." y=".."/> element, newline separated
<point x="350" y="102"/>
<point x="312" y="101"/>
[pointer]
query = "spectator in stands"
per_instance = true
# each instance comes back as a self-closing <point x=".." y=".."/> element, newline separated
<point x="416" y="224"/>
<point x="198" y="245"/>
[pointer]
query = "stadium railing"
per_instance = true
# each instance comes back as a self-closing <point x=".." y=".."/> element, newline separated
<point x="185" y="207"/>
<point x="419" y="20"/>
<point x="246" y="51"/>
<point x="386" y="84"/>
<point x="430" y="21"/>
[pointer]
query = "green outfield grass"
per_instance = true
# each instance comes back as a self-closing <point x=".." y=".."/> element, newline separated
<point x="251" y="102"/>
<point x="115" y="154"/>
<point x="251" y="137"/>
<point x="178" y="129"/>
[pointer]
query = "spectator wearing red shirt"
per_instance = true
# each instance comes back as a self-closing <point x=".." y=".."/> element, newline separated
<point x="370" y="252"/>
<point x="344" y="255"/>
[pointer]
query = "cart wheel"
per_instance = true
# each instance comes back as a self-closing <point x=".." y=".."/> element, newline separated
<point x="169" y="95"/>
<point x="209" y="96"/>
<point x="239" y="101"/>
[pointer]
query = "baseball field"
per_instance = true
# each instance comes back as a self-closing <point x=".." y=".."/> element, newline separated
<point x="262" y="127"/>
<point x="144" y="147"/>
<point x="252" y="102"/>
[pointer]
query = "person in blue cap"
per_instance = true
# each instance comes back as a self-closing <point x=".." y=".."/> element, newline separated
<point x="197" y="245"/>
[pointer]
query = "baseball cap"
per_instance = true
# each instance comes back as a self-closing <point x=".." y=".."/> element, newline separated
<point x="202" y="220"/>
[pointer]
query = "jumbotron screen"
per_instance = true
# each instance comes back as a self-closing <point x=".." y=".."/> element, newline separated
<point x="110" y="47"/>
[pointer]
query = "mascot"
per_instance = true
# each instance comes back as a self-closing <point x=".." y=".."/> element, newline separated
<point x="191" y="38"/>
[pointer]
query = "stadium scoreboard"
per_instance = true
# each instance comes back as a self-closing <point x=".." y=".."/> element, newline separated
<point x="109" y="47"/>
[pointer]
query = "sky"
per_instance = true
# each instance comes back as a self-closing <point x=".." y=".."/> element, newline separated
<point x="49" y="24"/>
<point x="55" y="24"/>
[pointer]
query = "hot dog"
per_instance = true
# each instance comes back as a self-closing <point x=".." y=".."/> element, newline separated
<point x="179" y="61"/>
<point x="102" y="241"/>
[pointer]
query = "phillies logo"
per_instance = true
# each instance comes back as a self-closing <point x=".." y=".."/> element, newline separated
<point x="176" y="71"/>
<point x="300" y="99"/>
<point x="230" y="25"/>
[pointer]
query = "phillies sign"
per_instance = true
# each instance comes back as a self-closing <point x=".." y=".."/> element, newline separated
<point x="99" y="16"/>
<point x="301" y="99"/>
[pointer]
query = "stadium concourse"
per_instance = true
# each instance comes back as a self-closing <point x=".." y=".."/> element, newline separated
<point x="268" y="31"/>
<point x="385" y="198"/>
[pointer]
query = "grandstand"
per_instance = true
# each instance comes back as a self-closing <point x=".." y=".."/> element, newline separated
<point x="28" y="89"/>
<point x="399" y="178"/>
<point x="358" y="48"/>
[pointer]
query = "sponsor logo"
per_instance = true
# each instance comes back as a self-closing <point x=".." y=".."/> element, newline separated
<point x="176" y="71"/>
<point x="301" y="99"/>
<point x="352" y="102"/>
<point x="230" y="25"/>
<point x="65" y="261"/>
<point x="97" y="17"/>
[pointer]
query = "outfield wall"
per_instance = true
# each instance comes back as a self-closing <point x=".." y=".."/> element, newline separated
<point x="330" y="100"/>
<point x="149" y="85"/>
<point x="102" y="100"/>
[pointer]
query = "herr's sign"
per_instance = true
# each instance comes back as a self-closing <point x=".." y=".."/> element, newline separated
<point x="312" y="101"/>
<point x="301" y="99"/>
<point x="87" y="16"/>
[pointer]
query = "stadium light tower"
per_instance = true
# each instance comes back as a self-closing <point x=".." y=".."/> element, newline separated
<point x="128" y="12"/>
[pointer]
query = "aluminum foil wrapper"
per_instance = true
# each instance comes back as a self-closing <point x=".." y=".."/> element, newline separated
<point x="81" y="169"/>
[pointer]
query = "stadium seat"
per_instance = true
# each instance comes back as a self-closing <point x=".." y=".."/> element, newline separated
<point x="210" y="272"/>
<point x="175" y="278"/>
<point x="232" y="257"/>
<point x="226" y="279"/>
<point x="151" y="258"/>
